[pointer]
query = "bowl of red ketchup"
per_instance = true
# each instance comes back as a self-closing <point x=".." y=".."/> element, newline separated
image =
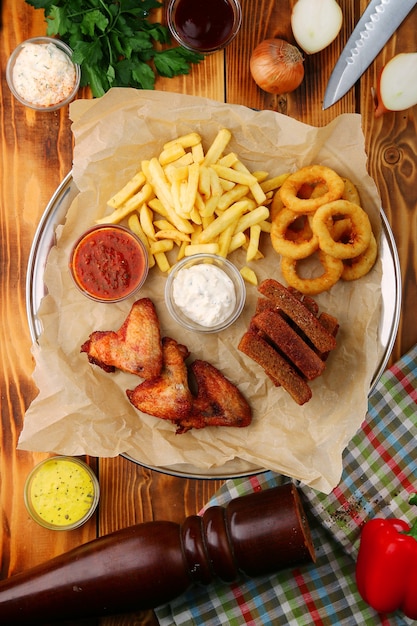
<point x="204" y="26"/>
<point x="109" y="263"/>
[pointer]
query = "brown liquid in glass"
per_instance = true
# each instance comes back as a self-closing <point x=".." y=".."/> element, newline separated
<point x="205" y="24"/>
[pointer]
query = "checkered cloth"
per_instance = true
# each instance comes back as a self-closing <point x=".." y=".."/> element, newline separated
<point x="379" y="474"/>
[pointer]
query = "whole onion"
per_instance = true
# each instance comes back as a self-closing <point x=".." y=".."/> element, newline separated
<point x="277" y="66"/>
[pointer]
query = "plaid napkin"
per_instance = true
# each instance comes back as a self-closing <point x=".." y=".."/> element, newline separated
<point x="379" y="474"/>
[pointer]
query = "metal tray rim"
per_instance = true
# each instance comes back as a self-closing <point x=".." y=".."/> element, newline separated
<point x="44" y="239"/>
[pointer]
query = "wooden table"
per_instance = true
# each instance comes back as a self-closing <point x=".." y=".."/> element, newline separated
<point x="36" y="153"/>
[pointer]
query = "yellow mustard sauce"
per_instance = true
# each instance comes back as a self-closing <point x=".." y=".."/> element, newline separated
<point x="61" y="492"/>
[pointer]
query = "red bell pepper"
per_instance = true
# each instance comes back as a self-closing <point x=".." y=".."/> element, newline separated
<point x="386" y="567"/>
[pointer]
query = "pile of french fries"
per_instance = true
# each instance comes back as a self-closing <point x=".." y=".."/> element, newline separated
<point x="197" y="202"/>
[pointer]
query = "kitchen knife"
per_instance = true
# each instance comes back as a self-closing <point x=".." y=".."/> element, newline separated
<point x="379" y="21"/>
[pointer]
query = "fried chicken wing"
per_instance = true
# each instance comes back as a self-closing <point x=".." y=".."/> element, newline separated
<point x="218" y="402"/>
<point x="168" y="395"/>
<point x="135" y="348"/>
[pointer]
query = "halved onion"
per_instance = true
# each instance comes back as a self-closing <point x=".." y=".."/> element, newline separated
<point x="397" y="89"/>
<point x="316" y="23"/>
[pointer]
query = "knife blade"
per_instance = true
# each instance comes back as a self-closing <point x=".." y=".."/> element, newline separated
<point x="377" y="24"/>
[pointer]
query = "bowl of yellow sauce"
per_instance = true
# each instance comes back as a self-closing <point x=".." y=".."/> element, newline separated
<point x="61" y="493"/>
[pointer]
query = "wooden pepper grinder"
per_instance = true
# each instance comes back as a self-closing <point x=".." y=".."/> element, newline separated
<point x="143" y="566"/>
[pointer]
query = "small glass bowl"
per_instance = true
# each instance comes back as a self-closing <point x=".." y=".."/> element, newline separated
<point x="61" y="493"/>
<point x="231" y="272"/>
<point x="109" y="263"/>
<point x="54" y="103"/>
<point x="185" y="19"/>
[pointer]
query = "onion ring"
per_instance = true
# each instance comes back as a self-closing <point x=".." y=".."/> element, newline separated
<point x="300" y="246"/>
<point x="362" y="264"/>
<point x="333" y="269"/>
<point x="276" y="206"/>
<point x="350" y="192"/>
<point x="310" y="190"/>
<point x="313" y="175"/>
<point x="360" y="236"/>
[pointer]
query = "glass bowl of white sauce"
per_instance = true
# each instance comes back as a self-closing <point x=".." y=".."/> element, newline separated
<point x="41" y="74"/>
<point x="205" y="293"/>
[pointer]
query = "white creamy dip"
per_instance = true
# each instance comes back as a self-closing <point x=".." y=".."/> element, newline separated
<point x="205" y="294"/>
<point x="43" y="74"/>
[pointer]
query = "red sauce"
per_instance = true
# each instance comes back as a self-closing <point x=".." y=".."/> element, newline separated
<point x="109" y="263"/>
<point x="204" y="24"/>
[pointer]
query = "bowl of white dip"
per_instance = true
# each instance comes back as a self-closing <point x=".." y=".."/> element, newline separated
<point x="41" y="74"/>
<point x="205" y="293"/>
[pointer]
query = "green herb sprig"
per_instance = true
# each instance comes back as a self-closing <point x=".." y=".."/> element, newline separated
<point x="114" y="42"/>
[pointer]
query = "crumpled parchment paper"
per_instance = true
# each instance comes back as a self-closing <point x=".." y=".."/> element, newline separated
<point x="80" y="409"/>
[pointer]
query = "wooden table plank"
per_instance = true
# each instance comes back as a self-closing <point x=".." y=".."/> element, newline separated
<point x="391" y="145"/>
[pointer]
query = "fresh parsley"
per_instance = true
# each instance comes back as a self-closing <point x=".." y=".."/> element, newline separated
<point x="115" y="43"/>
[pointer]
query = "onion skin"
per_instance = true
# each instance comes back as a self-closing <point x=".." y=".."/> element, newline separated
<point x="380" y="108"/>
<point x="277" y="66"/>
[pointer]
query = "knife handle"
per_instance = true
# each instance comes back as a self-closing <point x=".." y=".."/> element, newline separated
<point x="143" y="566"/>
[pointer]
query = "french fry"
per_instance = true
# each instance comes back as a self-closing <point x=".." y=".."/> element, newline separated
<point x="186" y="141"/>
<point x="260" y="175"/>
<point x="259" y="214"/>
<point x="174" y="152"/>
<point x="195" y="216"/>
<point x="225" y="239"/>
<point x="249" y="275"/>
<point x="181" y="250"/>
<point x="162" y="262"/>
<point x="204" y="181"/>
<point x="196" y="233"/>
<point x="215" y="186"/>
<point x="162" y="224"/>
<point x="206" y="221"/>
<point x="160" y="182"/>
<point x="173" y="234"/>
<point x="227" y="185"/>
<point x="169" y="213"/>
<point x="191" y="189"/>
<point x="146" y="221"/>
<point x="131" y="187"/>
<point x="134" y="203"/>
<point x="253" y="246"/>
<point x="145" y="194"/>
<point x="255" y="188"/>
<point x="186" y="159"/>
<point x="229" y="173"/>
<point x="176" y="173"/>
<point x="228" y="160"/>
<point x="274" y="183"/>
<point x="230" y="216"/>
<point x="198" y="153"/>
<point x="218" y="146"/>
<point x="165" y="245"/>
<point x="136" y="228"/>
<point x="237" y="241"/>
<point x="230" y="197"/>
<point x="265" y="226"/>
<point x="201" y="248"/>
<point x="210" y="207"/>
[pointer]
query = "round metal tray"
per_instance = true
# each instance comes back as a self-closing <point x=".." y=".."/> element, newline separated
<point x="44" y="239"/>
